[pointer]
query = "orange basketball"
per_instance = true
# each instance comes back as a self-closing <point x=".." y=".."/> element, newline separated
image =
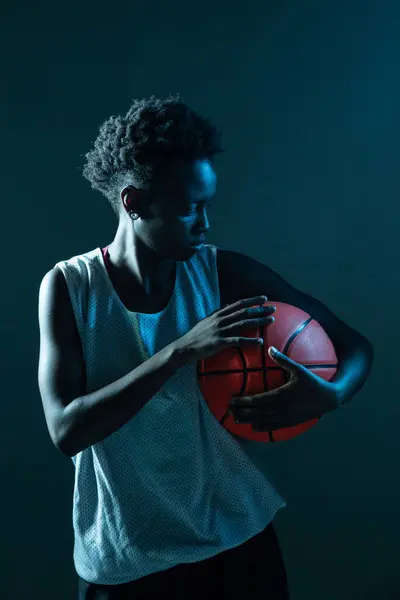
<point x="238" y="371"/>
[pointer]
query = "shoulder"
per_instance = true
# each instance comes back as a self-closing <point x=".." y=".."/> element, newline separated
<point x="234" y="275"/>
<point x="228" y="260"/>
<point x="236" y="264"/>
<point x="54" y="280"/>
<point x="245" y="277"/>
<point x="53" y="296"/>
<point x="52" y="283"/>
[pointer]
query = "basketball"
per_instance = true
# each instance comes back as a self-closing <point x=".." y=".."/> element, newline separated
<point x="239" y="371"/>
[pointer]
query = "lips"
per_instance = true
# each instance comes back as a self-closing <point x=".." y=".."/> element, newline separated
<point x="200" y="241"/>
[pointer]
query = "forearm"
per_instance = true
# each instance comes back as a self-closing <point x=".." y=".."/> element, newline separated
<point x="355" y="360"/>
<point x="92" y="418"/>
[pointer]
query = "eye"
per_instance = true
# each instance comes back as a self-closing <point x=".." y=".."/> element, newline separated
<point x="195" y="209"/>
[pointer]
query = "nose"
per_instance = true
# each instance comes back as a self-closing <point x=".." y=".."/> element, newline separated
<point x="205" y="223"/>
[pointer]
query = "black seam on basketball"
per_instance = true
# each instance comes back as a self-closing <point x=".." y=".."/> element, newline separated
<point x="265" y="369"/>
<point x="264" y="364"/>
<point x="295" y="334"/>
<point x="244" y="371"/>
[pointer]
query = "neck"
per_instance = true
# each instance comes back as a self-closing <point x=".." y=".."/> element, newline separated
<point x="136" y="263"/>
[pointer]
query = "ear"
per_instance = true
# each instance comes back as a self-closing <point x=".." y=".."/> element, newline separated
<point x="130" y="196"/>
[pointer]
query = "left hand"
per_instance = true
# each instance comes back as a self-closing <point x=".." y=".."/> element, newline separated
<point x="304" y="397"/>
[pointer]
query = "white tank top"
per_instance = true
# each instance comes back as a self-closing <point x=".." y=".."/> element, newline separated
<point x="172" y="485"/>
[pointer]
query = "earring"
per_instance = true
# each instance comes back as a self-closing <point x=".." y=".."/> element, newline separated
<point x="133" y="215"/>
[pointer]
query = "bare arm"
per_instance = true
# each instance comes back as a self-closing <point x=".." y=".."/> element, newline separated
<point x="76" y="420"/>
<point x="91" y="418"/>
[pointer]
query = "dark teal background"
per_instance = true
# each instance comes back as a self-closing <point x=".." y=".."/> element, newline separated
<point x="307" y="95"/>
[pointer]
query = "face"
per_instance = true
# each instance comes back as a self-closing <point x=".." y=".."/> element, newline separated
<point x="175" y="219"/>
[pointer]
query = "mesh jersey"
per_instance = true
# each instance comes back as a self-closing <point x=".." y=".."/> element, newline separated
<point x="172" y="485"/>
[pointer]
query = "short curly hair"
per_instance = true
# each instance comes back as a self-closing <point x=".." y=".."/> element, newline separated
<point x="132" y="149"/>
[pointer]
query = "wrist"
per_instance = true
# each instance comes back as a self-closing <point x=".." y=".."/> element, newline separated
<point x="180" y="354"/>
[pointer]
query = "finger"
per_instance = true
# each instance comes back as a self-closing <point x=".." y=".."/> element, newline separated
<point x="285" y="362"/>
<point x="247" y="302"/>
<point x="272" y="396"/>
<point x="253" y="415"/>
<point x="242" y="401"/>
<point x="263" y="398"/>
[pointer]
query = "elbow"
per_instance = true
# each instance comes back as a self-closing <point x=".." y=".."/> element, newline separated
<point x="64" y="446"/>
<point x="370" y="348"/>
<point x="354" y="341"/>
<point x="66" y="437"/>
<point x="65" y="440"/>
<point x="366" y="347"/>
<point x="58" y="438"/>
<point x="70" y="445"/>
<point x="65" y="449"/>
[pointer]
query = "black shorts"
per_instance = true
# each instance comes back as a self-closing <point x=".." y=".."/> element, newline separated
<point x="252" y="570"/>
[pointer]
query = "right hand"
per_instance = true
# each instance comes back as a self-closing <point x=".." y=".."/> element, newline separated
<point x="222" y="329"/>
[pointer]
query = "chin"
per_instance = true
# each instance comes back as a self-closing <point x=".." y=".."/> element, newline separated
<point x="185" y="253"/>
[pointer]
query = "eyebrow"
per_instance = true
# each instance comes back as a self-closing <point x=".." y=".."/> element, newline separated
<point x="196" y="200"/>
